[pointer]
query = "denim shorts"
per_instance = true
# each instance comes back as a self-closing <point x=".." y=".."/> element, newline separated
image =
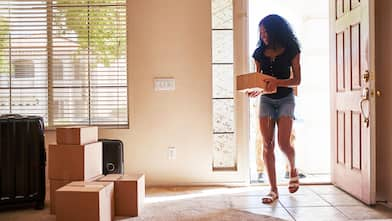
<point x="276" y="108"/>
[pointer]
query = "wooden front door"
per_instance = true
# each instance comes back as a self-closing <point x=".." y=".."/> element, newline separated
<point x="353" y="106"/>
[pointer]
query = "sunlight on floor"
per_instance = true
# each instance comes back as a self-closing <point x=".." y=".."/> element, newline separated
<point x="178" y="195"/>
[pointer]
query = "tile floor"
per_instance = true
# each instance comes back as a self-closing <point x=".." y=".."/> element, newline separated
<point x="321" y="202"/>
<point x="310" y="203"/>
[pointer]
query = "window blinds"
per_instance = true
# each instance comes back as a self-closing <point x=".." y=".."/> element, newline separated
<point x="64" y="60"/>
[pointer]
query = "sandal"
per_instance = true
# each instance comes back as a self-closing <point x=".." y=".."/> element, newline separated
<point x="294" y="183"/>
<point x="270" y="197"/>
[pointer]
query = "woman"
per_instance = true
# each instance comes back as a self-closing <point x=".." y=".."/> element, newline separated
<point x="277" y="55"/>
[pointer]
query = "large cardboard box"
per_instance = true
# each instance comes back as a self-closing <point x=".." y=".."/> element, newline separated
<point x="54" y="185"/>
<point x="76" y="135"/>
<point x="57" y="184"/>
<point x="252" y="81"/>
<point x="82" y="201"/>
<point x="75" y="162"/>
<point x="129" y="193"/>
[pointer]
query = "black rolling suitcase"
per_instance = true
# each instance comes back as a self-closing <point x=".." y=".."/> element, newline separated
<point x="22" y="161"/>
<point x="113" y="156"/>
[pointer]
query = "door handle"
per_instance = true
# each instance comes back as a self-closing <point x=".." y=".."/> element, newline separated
<point x="365" y="93"/>
<point x="365" y="98"/>
<point x="365" y="118"/>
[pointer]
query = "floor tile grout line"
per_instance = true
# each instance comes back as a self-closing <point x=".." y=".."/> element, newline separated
<point x="319" y="195"/>
<point x="282" y="207"/>
<point x="342" y="213"/>
<point x="288" y="212"/>
<point x="335" y="207"/>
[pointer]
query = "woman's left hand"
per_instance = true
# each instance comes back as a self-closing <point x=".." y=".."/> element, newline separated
<point x="271" y="85"/>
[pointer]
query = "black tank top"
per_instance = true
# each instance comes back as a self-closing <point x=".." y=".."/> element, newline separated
<point x="278" y="67"/>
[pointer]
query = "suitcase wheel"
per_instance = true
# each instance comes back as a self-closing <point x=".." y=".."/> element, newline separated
<point x="40" y="204"/>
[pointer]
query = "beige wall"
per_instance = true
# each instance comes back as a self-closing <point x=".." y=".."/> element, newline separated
<point x="171" y="38"/>
<point x="384" y="102"/>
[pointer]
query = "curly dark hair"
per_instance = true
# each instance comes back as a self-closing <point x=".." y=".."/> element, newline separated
<point x="280" y="33"/>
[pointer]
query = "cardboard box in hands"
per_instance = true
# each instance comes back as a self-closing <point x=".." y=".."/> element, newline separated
<point x="253" y="81"/>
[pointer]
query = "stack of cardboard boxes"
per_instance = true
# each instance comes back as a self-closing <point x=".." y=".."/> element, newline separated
<point x="78" y="190"/>
<point x="77" y="156"/>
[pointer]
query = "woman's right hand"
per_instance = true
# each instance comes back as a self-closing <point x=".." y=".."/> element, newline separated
<point x="253" y="93"/>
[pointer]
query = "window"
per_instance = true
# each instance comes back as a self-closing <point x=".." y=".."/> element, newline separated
<point x="57" y="69"/>
<point x="66" y="59"/>
<point x="24" y="68"/>
<point x="224" y="154"/>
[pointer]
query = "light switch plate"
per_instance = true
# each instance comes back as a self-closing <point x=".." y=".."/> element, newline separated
<point x="164" y="84"/>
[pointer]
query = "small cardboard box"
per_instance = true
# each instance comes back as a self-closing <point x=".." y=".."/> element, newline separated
<point x="81" y="201"/>
<point x="76" y="135"/>
<point x="75" y="162"/>
<point x="129" y="193"/>
<point x="252" y="81"/>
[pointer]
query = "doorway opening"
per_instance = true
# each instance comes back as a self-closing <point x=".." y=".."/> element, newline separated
<point x="310" y="22"/>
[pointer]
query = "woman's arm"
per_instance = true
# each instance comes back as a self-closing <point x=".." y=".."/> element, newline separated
<point x="296" y="79"/>
<point x="258" y="66"/>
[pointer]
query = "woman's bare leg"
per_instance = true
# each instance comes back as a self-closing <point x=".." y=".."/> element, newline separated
<point x="267" y="128"/>
<point x="285" y="125"/>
